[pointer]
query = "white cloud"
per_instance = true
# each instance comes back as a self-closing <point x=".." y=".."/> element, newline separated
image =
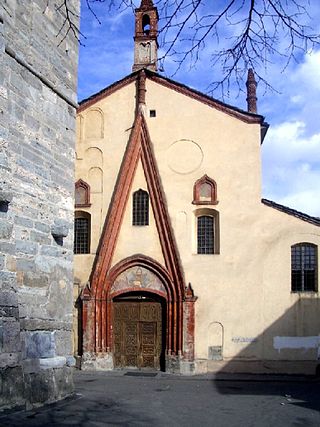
<point x="307" y="201"/>
<point x="291" y="167"/>
<point x="307" y="74"/>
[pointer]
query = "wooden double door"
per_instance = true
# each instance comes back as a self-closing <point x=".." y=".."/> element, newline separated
<point x="137" y="328"/>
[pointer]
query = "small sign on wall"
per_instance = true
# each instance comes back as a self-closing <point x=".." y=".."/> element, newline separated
<point x="239" y="340"/>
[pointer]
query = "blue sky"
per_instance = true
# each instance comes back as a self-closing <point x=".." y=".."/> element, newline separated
<point x="291" y="150"/>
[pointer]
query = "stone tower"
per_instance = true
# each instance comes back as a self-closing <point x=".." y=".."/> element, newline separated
<point x="145" y="38"/>
<point x="38" y="81"/>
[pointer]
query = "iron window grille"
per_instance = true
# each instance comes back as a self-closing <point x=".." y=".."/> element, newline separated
<point x="82" y="236"/>
<point x="304" y="268"/>
<point x="205" y="234"/>
<point x="140" y="208"/>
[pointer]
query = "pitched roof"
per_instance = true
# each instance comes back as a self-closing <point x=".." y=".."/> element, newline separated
<point x="178" y="87"/>
<point x="300" y="215"/>
<point x="87" y="102"/>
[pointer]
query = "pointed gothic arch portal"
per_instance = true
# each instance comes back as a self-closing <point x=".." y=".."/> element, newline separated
<point x="97" y="297"/>
<point x="139" y="304"/>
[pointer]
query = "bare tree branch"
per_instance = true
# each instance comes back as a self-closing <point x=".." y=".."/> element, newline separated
<point x="70" y="22"/>
<point x="236" y="34"/>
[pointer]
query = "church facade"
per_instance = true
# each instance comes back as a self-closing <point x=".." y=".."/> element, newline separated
<point x="179" y="263"/>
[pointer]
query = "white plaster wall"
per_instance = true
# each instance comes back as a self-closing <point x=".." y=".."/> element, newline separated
<point x="247" y="287"/>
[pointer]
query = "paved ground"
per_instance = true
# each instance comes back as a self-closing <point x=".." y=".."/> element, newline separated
<point x="116" y="399"/>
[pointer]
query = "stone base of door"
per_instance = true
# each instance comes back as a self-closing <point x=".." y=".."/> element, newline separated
<point x="97" y="362"/>
<point x="174" y="364"/>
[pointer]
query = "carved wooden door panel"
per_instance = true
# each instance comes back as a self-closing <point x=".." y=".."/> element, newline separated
<point x="137" y="334"/>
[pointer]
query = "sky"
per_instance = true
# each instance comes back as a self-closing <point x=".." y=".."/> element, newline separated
<point x="291" y="149"/>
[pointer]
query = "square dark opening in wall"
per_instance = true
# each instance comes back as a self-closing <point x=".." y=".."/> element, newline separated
<point x="4" y="205"/>
<point x="153" y="113"/>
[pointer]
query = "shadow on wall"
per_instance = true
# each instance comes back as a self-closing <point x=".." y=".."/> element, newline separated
<point x="290" y="345"/>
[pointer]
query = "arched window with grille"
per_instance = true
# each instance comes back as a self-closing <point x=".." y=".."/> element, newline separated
<point x="304" y="267"/>
<point x="205" y="234"/>
<point x="140" y="208"/>
<point x="82" y="232"/>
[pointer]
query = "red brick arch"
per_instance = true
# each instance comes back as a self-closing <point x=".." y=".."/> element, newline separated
<point x="173" y="297"/>
<point x="97" y="299"/>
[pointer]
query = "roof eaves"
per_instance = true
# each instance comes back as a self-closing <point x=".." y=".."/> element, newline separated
<point x="289" y="211"/>
<point x="193" y="93"/>
<point x="85" y="103"/>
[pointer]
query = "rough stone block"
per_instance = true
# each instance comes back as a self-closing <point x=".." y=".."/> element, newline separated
<point x="25" y="264"/>
<point x="26" y="247"/>
<point x="2" y="259"/>
<point x="4" y="164"/>
<point x="39" y="345"/>
<point x="30" y="365"/>
<point x="63" y="343"/>
<point x="9" y="360"/>
<point x="8" y="312"/>
<point x="11" y="263"/>
<point x="45" y="324"/>
<point x="24" y="222"/>
<point x="5" y="230"/>
<point x="34" y="158"/>
<point x="48" y="385"/>
<point x="6" y="196"/>
<point x="35" y="280"/>
<point x="44" y="228"/>
<point x="52" y="362"/>
<point x="8" y="299"/>
<point x="39" y="387"/>
<point x="60" y="228"/>
<point x="71" y="361"/>
<point x="7" y="248"/>
<point x="11" y="387"/>
<point x="10" y="335"/>
<point x="7" y="281"/>
<point x="39" y="237"/>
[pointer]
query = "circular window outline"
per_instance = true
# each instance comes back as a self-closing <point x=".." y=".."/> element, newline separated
<point x="191" y="170"/>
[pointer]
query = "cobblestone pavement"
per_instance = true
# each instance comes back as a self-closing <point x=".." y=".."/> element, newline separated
<point x="129" y="399"/>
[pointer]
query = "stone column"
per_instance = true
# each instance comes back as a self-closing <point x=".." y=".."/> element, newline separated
<point x="189" y="323"/>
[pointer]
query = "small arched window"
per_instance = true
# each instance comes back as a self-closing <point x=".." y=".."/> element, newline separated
<point x="82" y="232"/>
<point x="304" y="266"/>
<point x="205" y="191"/>
<point x="82" y="194"/>
<point x="140" y="208"/>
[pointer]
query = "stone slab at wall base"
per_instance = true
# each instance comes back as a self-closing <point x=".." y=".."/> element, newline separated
<point x="281" y="367"/>
<point x="11" y="388"/>
<point x="47" y="386"/>
<point x="173" y="364"/>
<point x="20" y="390"/>
<point x="97" y="362"/>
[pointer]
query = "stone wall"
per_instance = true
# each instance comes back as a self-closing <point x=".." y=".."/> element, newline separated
<point x="37" y="132"/>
